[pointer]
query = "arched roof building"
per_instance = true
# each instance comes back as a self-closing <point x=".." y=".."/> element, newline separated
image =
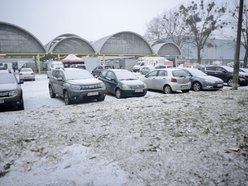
<point x="123" y="43"/>
<point x="69" y="43"/>
<point x="14" y="39"/>
<point x="166" y="49"/>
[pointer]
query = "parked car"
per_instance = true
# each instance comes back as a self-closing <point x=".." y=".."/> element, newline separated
<point x="168" y="80"/>
<point x="136" y="68"/>
<point x="225" y="73"/>
<point x="201" y="81"/>
<point x="144" y="69"/>
<point x="10" y="91"/>
<point x="26" y="74"/>
<point x="97" y="71"/>
<point x="75" y="85"/>
<point x="122" y="83"/>
<point x="159" y="66"/>
<point x="245" y="70"/>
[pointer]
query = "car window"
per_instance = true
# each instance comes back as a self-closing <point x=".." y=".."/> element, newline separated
<point x="55" y="73"/>
<point x="100" y="68"/>
<point x="179" y="73"/>
<point x="110" y="75"/>
<point x="210" y="68"/>
<point x="162" y="73"/>
<point x="152" y="74"/>
<point x="219" y="69"/>
<point x="61" y="74"/>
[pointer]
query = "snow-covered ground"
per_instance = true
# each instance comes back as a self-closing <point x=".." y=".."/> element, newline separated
<point x="197" y="138"/>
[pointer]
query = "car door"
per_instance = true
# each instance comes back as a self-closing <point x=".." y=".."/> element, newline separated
<point x="60" y="81"/>
<point x="150" y="79"/>
<point x="221" y="73"/>
<point x="161" y="79"/>
<point x="54" y="81"/>
<point x="111" y="82"/>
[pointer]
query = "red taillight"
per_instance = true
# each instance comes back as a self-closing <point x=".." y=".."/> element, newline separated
<point x="173" y="80"/>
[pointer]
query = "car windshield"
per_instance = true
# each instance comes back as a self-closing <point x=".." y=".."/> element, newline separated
<point x="79" y="74"/>
<point x="26" y="70"/>
<point x="125" y="75"/>
<point x="179" y="73"/>
<point x="229" y="69"/>
<point x="195" y="72"/>
<point x="7" y="78"/>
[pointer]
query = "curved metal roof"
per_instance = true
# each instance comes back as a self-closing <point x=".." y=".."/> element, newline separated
<point x="69" y="43"/>
<point x="125" y="42"/>
<point x="167" y="49"/>
<point x="15" y="39"/>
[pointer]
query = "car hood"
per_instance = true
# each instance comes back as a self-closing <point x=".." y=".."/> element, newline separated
<point x="243" y="73"/>
<point x="10" y="86"/>
<point x="84" y="81"/>
<point x="210" y="78"/>
<point x="132" y="82"/>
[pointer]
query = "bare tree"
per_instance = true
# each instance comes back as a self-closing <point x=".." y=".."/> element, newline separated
<point x="201" y="20"/>
<point x="168" y="26"/>
<point x="237" y="50"/>
<point x="234" y="14"/>
<point x="155" y="30"/>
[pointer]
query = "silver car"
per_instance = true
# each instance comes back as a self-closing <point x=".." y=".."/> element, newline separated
<point x="26" y="74"/>
<point x="168" y="80"/>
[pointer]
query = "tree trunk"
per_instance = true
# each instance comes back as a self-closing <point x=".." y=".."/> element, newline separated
<point x="245" y="58"/>
<point x="237" y="51"/>
<point x="198" y="55"/>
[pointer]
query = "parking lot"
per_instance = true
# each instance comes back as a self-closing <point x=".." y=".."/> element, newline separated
<point x="195" y="138"/>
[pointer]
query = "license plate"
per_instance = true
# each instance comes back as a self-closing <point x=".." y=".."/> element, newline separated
<point x="184" y="86"/>
<point x="1" y="101"/>
<point x="92" y="94"/>
<point x="219" y="85"/>
<point x="138" y="90"/>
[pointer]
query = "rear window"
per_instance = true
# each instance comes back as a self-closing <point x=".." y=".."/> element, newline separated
<point x="179" y="73"/>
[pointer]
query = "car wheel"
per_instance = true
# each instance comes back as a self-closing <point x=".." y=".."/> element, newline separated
<point x="167" y="89"/>
<point x="196" y="86"/>
<point x="101" y="97"/>
<point x="52" y="94"/>
<point x="118" y="93"/>
<point x="67" y="98"/>
<point x="229" y="82"/>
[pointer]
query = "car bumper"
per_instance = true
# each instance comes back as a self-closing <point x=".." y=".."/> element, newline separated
<point x="79" y="96"/>
<point x="176" y="87"/>
<point x="212" y="86"/>
<point x="243" y="81"/>
<point x="27" y="77"/>
<point x="133" y="93"/>
<point x="10" y="102"/>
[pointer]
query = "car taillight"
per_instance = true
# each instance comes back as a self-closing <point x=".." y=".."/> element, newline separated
<point x="173" y="80"/>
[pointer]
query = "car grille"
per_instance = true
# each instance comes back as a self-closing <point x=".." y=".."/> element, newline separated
<point x="133" y="87"/>
<point x="94" y="86"/>
<point x="4" y="94"/>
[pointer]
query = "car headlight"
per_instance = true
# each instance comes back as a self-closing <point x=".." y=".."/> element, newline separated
<point x="76" y="87"/>
<point x="13" y="93"/>
<point x="125" y="87"/>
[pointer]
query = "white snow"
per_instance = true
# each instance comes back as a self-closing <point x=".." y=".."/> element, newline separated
<point x="196" y="138"/>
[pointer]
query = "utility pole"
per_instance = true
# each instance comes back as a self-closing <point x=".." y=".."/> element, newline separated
<point x="237" y="51"/>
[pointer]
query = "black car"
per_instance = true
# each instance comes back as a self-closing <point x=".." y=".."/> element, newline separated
<point x="10" y="91"/>
<point x="225" y="73"/>
<point x="97" y="71"/>
<point x="75" y="85"/>
<point x="201" y="81"/>
<point x="122" y="83"/>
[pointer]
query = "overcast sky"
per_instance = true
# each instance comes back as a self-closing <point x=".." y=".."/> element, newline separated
<point x="90" y="19"/>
